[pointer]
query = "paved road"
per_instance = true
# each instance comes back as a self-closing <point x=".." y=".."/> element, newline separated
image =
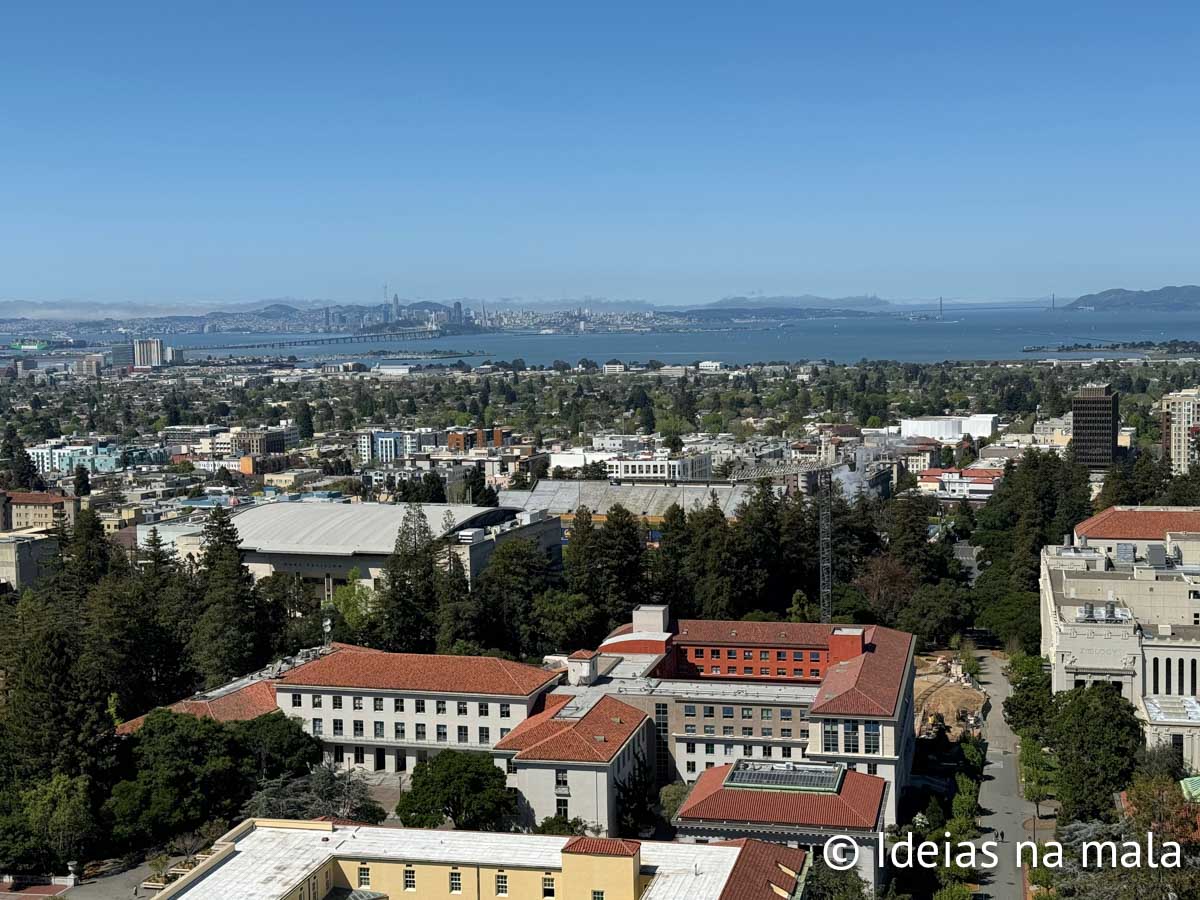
<point x="1000" y="795"/>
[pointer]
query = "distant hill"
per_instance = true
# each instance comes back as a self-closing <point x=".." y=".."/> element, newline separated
<point x="803" y="301"/>
<point x="1183" y="297"/>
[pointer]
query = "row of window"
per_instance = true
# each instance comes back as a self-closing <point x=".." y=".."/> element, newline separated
<point x="441" y="707"/>
<point x="727" y="731"/>
<point x="747" y="712"/>
<point x="454" y="882"/>
<point x="1173" y="686"/>
<point x="849" y="731"/>
<point x="463" y="733"/>
<point x="764" y="655"/>
<point x="764" y="670"/>
<point x="872" y="768"/>
<point x="747" y="751"/>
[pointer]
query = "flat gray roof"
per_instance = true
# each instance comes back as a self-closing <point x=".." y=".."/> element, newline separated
<point x="345" y="529"/>
<point x="564" y="497"/>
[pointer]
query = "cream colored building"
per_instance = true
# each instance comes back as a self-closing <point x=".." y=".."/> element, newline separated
<point x="1127" y="612"/>
<point x="273" y="859"/>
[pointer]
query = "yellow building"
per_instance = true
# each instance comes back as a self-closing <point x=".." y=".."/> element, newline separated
<point x="274" y="859"/>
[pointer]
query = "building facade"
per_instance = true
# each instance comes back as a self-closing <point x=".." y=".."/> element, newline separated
<point x="1181" y="428"/>
<point x="1095" y="420"/>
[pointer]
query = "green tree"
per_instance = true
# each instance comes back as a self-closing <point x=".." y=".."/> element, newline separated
<point x="223" y="643"/>
<point x="407" y="603"/>
<point x="59" y="814"/>
<point x="515" y="576"/>
<point x="671" y="797"/>
<point x="1096" y="735"/>
<point x="83" y="482"/>
<point x="467" y="789"/>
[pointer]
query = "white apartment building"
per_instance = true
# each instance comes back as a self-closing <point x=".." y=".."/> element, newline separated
<point x="1180" y="428"/>
<point x="1119" y="608"/>
<point x="660" y="465"/>
<point x="148" y="354"/>
<point x="389" y="711"/>
<point x="949" y="429"/>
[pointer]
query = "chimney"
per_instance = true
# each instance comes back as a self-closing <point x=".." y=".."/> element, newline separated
<point x="846" y="642"/>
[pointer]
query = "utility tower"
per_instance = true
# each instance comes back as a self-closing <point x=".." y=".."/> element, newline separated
<point x="825" y="513"/>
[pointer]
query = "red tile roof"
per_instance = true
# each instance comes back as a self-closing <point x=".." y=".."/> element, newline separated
<point x="856" y="804"/>
<point x="597" y="846"/>
<point x="583" y="654"/>
<point x="760" y="868"/>
<point x="868" y="685"/>
<point x="422" y="672"/>
<point x="254" y="700"/>
<point x="773" y="634"/>
<point x="1134" y="523"/>
<point x="37" y="498"/>
<point x="595" y="737"/>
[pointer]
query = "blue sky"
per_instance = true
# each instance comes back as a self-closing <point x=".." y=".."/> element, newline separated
<point x="675" y="152"/>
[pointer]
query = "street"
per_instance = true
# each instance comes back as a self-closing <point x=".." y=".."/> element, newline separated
<point x="1004" y="810"/>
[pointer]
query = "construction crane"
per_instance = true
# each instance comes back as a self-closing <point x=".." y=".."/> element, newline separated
<point x="825" y="517"/>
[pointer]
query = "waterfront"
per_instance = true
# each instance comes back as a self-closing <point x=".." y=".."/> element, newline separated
<point x="963" y="335"/>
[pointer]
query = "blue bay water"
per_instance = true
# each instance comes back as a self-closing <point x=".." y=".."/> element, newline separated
<point x="963" y="335"/>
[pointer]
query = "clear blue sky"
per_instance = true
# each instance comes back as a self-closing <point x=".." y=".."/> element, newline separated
<point x="676" y="152"/>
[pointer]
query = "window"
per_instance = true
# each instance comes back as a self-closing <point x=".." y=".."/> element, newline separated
<point x="339" y="754"/>
<point x="747" y="654"/>
<point x="485" y="736"/>
<point x="419" y="705"/>
<point x="316" y="701"/>
<point x="441" y="707"/>
<point x="441" y="734"/>
<point x="689" y="747"/>
<point x="727" y="730"/>
<point x="797" y="673"/>
<point x="358" y="702"/>
<point x="398" y="704"/>
<point x="456" y="882"/>
<point x="689" y="729"/>
<point x="871" y="737"/>
<point x="872" y="768"/>
<point x="850" y="736"/>
<point x="717" y="670"/>
<point x="364" y="876"/>
<point x="764" y="655"/>
<point x="483" y="711"/>
<point x="463" y="736"/>
<point x="797" y="656"/>
<point x="829" y="737"/>
<point x="562" y="808"/>
<point x="780" y="655"/>
<point x="337" y="727"/>
<point x="814" y="673"/>
<point x="358" y="728"/>
<point x="710" y="749"/>
<point x="699" y="653"/>
<point x="715" y="653"/>
<point x="504" y="710"/>
<point x="747" y="749"/>
<point x="814" y="656"/>
<point x="766" y="750"/>
<point x="691" y="766"/>
<point x="410" y="879"/>
<point x="709" y="712"/>
<point x="729" y="749"/>
<point x="547" y="886"/>
<point x="462" y="707"/>
<point x="377" y="704"/>
<point x="765" y="713"/>
<point x="764" y="671"/>
<point x="726" y="712"/>
<point x="785" y="732"/>
<point x="768" y="731"/>
<point x="295" y="701"/>
<point x="318" y="727"/>
<point x="748" y="670"/>
<point x="399" y="731"/>
<point x="337" y="702"/>
<point x="781" y="672"/>
<point x="785" y="715"/>
<point x="597" y="895"/>
<point x="503" y="732"/>
<point x="359" y="756"/>
<point x="510" y="766"/>
<point x="710" y="729"/>
<point x="420" y="731"/>
<point x="747" y="732"/>
<point x="747" y="712"/>
<point x="689" y="711"/>
<point x="785" y="752"/>
<point x="501" y="885"/>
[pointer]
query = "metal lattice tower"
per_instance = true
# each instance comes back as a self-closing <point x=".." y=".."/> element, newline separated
<point x="824" y="504"/>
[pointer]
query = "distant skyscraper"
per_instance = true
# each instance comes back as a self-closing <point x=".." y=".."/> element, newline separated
<point x="457" y="318"/>
<point x="122" y="356"/>
<point x="396" y="307"/>
<point x="1095" y="420"/>
<point x="1181" y="428"/>
<point x="327" y="318"/>
<point x="148" y="354"/>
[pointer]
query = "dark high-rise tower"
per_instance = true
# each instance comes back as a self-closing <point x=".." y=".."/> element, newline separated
<point x="1095" y="420"/>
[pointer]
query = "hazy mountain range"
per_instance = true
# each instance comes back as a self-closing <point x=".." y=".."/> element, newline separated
<point x="1181" y="297"/>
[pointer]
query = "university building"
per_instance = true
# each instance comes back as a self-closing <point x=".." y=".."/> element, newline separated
<point x="1120" y="603"/>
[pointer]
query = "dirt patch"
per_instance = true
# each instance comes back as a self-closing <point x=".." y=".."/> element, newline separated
<point x="938" y="694"/>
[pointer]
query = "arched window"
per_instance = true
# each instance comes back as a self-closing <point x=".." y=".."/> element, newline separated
<point x="1154" y="669"/>
<point x="1182" y="689"/>
<point x="1167" y="666"/>
<point x="1193" y="678"/>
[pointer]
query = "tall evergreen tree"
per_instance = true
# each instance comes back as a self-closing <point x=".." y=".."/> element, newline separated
<point x="223" y="645"/>
<point x="409" y="598"/>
